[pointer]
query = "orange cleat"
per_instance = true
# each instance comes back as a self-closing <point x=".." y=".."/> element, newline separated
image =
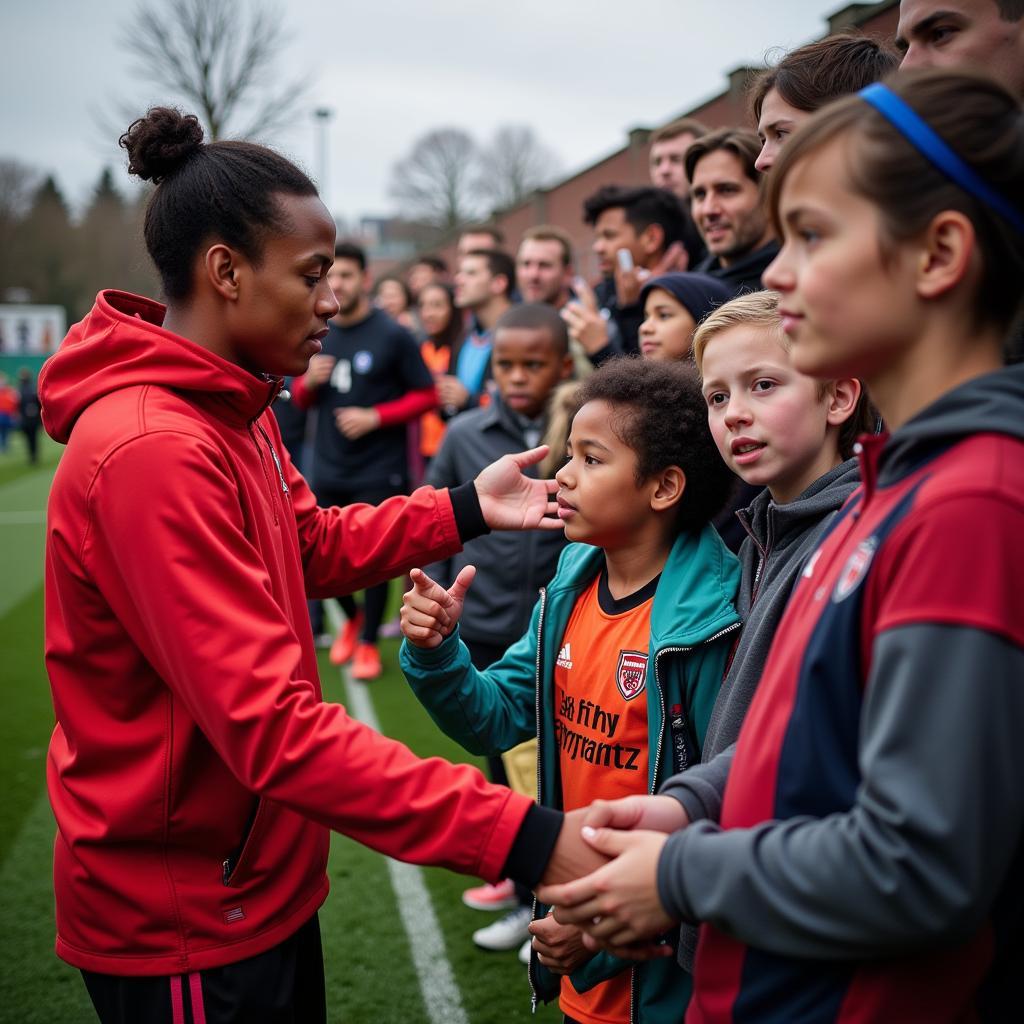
<point x="366" y="663"/>
<point x="344" y="646"/>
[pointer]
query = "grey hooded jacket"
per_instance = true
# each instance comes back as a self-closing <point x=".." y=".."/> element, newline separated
<point x="780" y="539"/>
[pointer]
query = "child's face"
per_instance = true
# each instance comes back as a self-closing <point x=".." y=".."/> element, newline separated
<point x="526" y="368"/>
<point x="667" y="330"/>
<point x="847" y="312"/>
<point x="770" y="423"/>
<point x="283" y="303"/>
<point x="599" y="500"/>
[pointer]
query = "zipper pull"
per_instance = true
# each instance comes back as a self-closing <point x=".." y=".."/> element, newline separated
<point x="677" y="729"/>
<point x="227" y="870"/>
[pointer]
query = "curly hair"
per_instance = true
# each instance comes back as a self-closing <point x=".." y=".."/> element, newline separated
<point x="659" y="412"/>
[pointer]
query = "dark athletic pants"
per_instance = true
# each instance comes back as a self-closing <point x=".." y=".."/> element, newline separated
<point x="284" y="985"/>
<point x="374" y="598"/>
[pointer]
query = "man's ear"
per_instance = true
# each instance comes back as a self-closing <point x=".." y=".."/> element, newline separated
<point x="499" y="284"/>
<point x="947" y="254"/>
<point x="843" y="396"/>
<point x="221" y="265"/>
<point x="670" y="484"/>
<point x="652" y="240"/>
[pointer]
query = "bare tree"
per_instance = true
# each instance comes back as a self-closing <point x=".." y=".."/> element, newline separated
<point x="219" y="57"/>
<point x="18" y="183"/>
<point x="434" y="183"/>
<point x="514" y="164"/>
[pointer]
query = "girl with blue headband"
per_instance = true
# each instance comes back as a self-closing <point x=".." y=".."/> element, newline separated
<point x="868" y="861"/>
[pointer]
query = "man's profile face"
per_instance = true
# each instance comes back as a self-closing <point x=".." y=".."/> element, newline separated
<point x="962" y="34"/>
<point x="667" y="167"/>
<point x="473" y="283"/>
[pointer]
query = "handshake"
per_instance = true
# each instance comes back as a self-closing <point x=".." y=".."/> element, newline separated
<point x="601" y="879"/>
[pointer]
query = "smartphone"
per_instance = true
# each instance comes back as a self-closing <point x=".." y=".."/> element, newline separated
<point x="625" y="258"/>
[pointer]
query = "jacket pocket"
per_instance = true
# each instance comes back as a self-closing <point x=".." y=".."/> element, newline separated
<point x="236" y="864"/>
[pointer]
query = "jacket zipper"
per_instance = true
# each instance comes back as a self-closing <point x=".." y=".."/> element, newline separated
<point x="661" y="694"/>
<point x="530" y="975"/>
<point x="230" y="863"/>
<point x="277" y="461"/>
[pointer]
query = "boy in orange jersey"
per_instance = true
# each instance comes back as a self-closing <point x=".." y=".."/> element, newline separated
<point x="625" y="652"/>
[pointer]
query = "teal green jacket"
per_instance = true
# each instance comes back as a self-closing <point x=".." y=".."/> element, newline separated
<point x="693" y="625"/>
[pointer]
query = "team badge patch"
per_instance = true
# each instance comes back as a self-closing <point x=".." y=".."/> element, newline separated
<point x="855" y="569"/>
<point x="631" y="673"/>
<point x="362" y="362"/>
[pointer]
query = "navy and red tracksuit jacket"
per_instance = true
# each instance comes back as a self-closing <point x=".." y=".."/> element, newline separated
<point x="868" y="865"/>
<point x="194" y="770"/>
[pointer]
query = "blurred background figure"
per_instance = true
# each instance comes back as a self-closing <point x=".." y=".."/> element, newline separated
<point x="394" y="296"/>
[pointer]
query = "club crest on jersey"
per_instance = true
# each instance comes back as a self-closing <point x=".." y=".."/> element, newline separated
<point x="855" y="569"/>
<point x="631" y="673"/>
<point x="362" y="361"/>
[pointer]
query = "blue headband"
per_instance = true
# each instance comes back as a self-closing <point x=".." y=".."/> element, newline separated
<point x="929" y="144"/>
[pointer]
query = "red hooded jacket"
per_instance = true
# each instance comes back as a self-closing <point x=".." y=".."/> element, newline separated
<point x="194" y="770"/>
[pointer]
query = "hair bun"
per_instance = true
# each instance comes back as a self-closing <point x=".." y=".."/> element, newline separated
<point x="161" y="142"/>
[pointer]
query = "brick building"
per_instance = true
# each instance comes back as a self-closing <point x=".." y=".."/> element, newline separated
<point x="562" y="203"/>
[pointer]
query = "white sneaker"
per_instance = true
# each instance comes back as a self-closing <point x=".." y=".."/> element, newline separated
<point x="524" y="952"/>
<point x="507" y="932"/>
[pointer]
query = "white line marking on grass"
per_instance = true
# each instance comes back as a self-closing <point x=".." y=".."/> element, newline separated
<point x="430" y="958"/>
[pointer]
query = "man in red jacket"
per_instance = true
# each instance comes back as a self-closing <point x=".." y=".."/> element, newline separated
<point x="194" y="770"/>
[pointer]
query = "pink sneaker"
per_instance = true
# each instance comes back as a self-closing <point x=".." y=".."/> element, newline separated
<point x="501" y="896"/>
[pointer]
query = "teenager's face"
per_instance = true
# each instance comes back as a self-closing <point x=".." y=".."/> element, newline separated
<point x="475" y="285"/>
<point x="776" y="124"/>
<point x="668" y="169"/>
<point x="613" y="232"/>
<point x="599" y="500"/>
<point x="435" y="310"/>
<point x="770" y="423"/>
<point x="527" y="367"/>
<point x="962" y="33"/>
<point x="541" y="275"/>
<point x="847" y="312"/>
<point x="726" y="205"/>
<point x="667" y="330"/>
<point x="284" y="302"/>
<point x="348" y="282"/>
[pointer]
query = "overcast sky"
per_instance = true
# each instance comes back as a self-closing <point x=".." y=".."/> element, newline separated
<point x="580" y="72"/>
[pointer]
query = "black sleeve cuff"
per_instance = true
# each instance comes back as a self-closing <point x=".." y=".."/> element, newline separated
<point x="533" y="846"/>
<point x="469" y="518"/>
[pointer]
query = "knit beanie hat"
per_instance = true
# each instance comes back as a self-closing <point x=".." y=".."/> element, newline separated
<point x="698" y="293"/>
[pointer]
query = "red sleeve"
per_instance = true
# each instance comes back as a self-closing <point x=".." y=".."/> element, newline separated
<point x="196" y="595"/>
<point x="302" y="396"/>
<point x="346" y="549"/>
<point x="408" y="407"/>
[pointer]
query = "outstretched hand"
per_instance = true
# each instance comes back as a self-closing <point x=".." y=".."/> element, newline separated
<point x="510" y="500"/>
<point x="617" y="906"/>
<point x="429" y="612"/>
